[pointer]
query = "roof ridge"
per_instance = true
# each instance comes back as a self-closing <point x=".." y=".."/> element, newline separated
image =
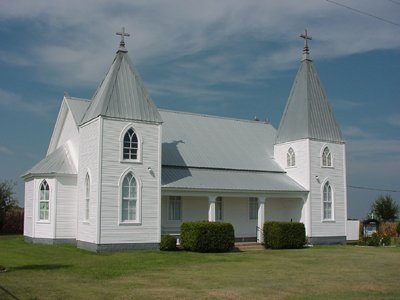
<point x="214" y="116"/>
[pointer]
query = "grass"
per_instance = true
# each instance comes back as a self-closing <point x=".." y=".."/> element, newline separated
<point x="326" y="272"/>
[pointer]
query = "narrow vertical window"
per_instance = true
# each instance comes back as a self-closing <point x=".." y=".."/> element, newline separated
<point x="87" y="197"/>
<point x="218" y="209"/>
<point x="326" y="157"/>
<point x="253" y="208"/>
<point x="130" y="147"/>
<point x="327" y="202"/>
<point x="44" y="199"/>
<point x="291" y="158"/>
<point x="174" y="208"/>
<point x="129" y="198"/>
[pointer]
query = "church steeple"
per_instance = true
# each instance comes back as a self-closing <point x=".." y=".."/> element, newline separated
<point x="122" y="94"/>
<point x="308" y="113"/>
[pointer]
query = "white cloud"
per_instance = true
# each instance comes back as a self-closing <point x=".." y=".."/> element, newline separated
<point x="14" y="101"/>
<point x="74" y="37"/>
<point x="394" y="120"/>
<point x="355" y="132"/>
<point x="5" y="150"/>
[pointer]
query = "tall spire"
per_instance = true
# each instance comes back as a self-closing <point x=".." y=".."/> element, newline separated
<point x="123" y="34"/>
<point x="308" y="114"/>
<point x="122" y="94"/>
<point x="306" y="50"/>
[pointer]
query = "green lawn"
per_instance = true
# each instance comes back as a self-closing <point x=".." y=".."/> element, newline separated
<point x="329" y="272"/>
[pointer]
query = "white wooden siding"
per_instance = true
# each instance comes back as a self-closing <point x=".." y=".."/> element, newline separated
<point x="335" y="176"/>
<point x="112" y="169"/>
<point x="66" y="208"/>
<point x="28" y="207"/>
<point x="235" y="211"/>
<point x="88" y="161"/>
<point x="284" y="210"/>
<point x="301" y="172"/>
<point x="68" y="131"/>
<point x="310" y="173"/>
<point x="42" y="228"/>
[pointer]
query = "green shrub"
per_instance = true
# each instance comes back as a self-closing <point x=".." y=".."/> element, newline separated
<point x="284" y="235"/>
<point x="13" y="222"/>
<point x="398" y="228"/>
<point x="376" y="240"/>
<point x="168" y="243"/>
<point x="204" y="236"/>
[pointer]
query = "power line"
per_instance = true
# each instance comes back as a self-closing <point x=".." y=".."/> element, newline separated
<point x="372" y="189"/>
<point x="364" y="13"/>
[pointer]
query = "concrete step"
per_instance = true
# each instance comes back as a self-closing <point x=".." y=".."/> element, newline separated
<point x="249" y="246"/>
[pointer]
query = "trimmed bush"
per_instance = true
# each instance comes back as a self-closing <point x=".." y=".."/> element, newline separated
<point x="168" y="243"/>
<point x="284" y="235"/>
<point x="204" y="236"/>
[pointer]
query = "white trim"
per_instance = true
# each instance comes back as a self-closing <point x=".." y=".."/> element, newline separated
<point x="332" y="219"/>
<point x="87" y="200"/>
<point x="158" y="174"/>
<point x="211" y="207"/>
<point x="291" y="162"/>
<point x="99" y="180"/>
<point x="50" y="189"/>
<point x="331" y="166"/>
<point x="138" y="220"/>
<point x="139" y="158"/>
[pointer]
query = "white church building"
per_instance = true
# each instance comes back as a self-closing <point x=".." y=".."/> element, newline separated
<point x="120" y="172"/>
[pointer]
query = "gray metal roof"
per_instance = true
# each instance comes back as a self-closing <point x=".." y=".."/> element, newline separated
<point x="209" y="179"/>
<point x="122" y="95"/>
<point x="308" y="113"/>
<point x="192" y="140"/>
<point x="58" y="162"/>
<point x="78" y="108"/>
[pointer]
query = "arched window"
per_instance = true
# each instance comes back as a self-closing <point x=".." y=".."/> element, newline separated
<point x="326" y="158"/>
<point x="129" y="198"/>
<point x="87" y="196"/>
<point x="327" y="201"/>
<point x="291" y="158"/>
<point x="130" y="147"/>
<point x="44" y="200"/>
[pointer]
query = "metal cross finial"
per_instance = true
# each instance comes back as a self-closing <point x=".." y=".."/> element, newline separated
<point x="123" y="34"/>
<point x="306" y="38"/>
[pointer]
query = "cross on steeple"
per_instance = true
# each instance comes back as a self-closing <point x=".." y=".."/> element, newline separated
<point x="123" y="34"/>
<point x="306" y="38"/>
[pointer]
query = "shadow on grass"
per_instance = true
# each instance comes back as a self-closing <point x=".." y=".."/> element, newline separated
<point x="40" y="267"/>
<point x="7" y="292"/>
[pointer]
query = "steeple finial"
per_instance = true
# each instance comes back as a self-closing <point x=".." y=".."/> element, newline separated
<point x="123" y="34"/>
<point x="306" y="50"/>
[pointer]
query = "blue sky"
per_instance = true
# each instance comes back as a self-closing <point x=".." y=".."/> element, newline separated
<point x="230" y="58"/>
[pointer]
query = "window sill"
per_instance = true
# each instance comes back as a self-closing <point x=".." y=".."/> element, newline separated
<point x="327" y="167"/>
<point x="43" y="222"/>
<point x="130" y="161"/>
<point x="86" y="222"/>
<point x="130" y="223"/>
<point x="291" y="167"/>
<point x="328" y="221"/>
